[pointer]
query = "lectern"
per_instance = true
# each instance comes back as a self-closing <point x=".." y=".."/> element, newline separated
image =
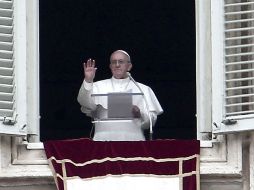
<point x="114" y="119"/>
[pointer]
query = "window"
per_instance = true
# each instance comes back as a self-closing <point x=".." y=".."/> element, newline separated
<point x="24" y="69"/>
<point x="233" y="63"/>
<point x="18" y="69"/>
<point x="12" y="73"/>
<point x="61" y="73"/>
<point x="215" y="155"/>
<point x="239" y="59"/>
<point x="19" y="90"/>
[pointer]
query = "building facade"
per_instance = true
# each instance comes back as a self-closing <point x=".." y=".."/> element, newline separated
<point x="225" y="69"/>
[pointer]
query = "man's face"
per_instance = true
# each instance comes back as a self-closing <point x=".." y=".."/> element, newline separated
<point x="119" y="65"/>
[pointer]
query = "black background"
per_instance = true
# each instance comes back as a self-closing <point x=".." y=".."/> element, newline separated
<point x="158" y="35"/>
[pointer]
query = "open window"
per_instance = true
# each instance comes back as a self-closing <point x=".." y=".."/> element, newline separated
<point x="19" y="75"/>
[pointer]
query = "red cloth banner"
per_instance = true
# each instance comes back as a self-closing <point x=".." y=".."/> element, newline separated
<point x="79" y="162"/>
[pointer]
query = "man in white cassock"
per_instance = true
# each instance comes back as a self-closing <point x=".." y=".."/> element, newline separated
<point x="145" y="108"/>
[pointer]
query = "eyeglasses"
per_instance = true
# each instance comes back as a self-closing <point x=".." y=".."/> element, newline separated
<point x="120" y="62"/>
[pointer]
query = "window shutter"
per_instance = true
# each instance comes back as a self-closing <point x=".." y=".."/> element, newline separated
<point x="238" y="114"/>
<point x="8" y="115"/>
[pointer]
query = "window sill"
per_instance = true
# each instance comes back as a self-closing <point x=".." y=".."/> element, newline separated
<point x="34" y="146"/>
<point x="206" y="144"/>
<point x="39" y="146"/>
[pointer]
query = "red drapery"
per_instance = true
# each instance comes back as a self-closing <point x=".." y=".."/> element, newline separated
<point x="85" y="159"/>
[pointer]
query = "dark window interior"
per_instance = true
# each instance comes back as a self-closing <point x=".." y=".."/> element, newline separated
<point x="159" y="36"/>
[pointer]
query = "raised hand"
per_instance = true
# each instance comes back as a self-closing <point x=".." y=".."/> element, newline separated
<point x="89" y="70"/>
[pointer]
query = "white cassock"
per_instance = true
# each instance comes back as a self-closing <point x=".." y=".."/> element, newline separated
<point x="119" y="130"/>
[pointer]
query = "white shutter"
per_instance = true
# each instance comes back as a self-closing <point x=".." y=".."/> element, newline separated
<point x="8" y="86"/>
<point x="238" y="108"/>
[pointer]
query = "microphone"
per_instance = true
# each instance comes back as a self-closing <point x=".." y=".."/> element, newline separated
<point x="146" y="106"/>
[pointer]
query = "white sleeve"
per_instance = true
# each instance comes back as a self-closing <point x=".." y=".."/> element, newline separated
<point x="84" y="98"/>
<point x="146" y="121"/>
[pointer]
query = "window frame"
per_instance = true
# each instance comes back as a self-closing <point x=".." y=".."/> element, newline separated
<point x="215" y="159"/>
<point x="25" y="150"/>
<point x="33" y="84"/>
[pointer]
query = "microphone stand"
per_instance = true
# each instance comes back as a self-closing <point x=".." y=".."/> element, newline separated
<point x="146" y="105"/>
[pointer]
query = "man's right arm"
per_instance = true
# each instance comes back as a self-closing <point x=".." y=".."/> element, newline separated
<point x="85" y="100"/>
